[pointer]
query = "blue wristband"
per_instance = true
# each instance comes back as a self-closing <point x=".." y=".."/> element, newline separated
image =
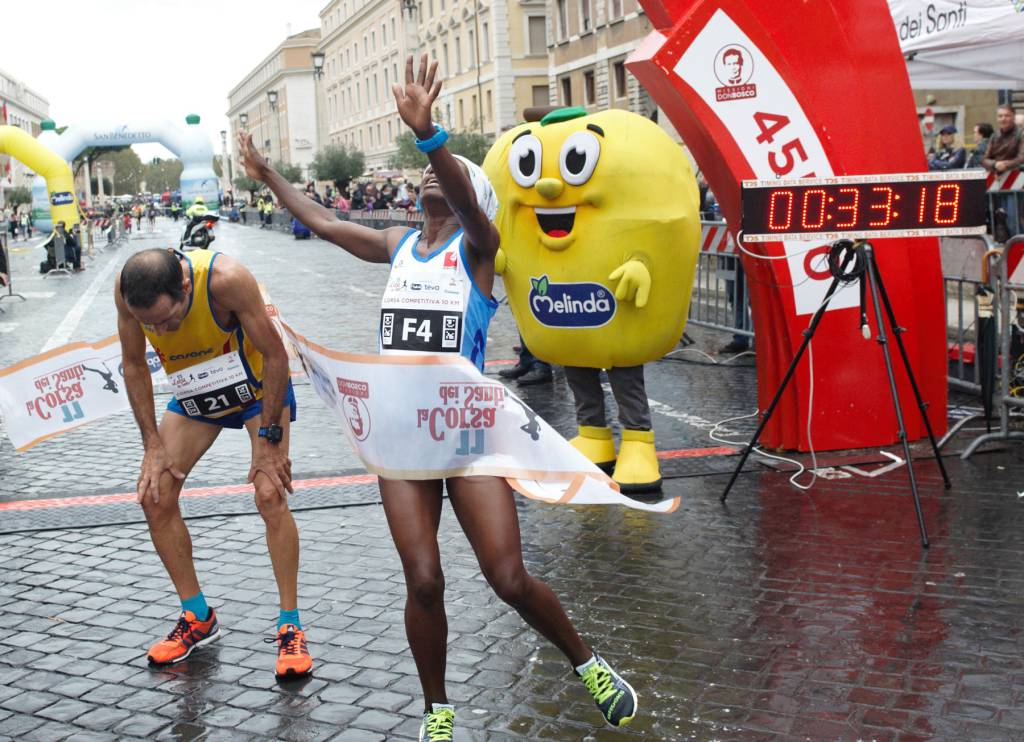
<point x="435" y="142"/>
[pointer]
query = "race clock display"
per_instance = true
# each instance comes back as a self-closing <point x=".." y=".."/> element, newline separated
<point x="905" y="205"/>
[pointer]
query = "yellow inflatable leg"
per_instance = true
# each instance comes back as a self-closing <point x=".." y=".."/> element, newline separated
<point x="597" y="445"/>
<point x="637" y="468"/>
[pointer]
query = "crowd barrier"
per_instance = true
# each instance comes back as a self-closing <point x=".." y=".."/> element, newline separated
<point x="1005" y="360"/>
<point x="720" y="300"/>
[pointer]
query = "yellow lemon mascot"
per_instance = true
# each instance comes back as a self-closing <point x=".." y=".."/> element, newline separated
<point x="600" y="232"/>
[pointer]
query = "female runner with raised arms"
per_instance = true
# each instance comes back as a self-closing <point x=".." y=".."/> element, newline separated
<point x="458" y="239"/>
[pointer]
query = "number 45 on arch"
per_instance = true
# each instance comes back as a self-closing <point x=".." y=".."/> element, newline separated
<point x="865" y="206"/>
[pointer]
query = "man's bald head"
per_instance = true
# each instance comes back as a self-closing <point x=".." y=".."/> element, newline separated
<point x="148" y="274"/>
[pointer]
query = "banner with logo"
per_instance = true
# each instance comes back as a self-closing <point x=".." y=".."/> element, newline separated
<point x="59" y="390"/>
<point x="926" y="25"/>
<point x="407" y="417"/>
<point x="437" y="416"/>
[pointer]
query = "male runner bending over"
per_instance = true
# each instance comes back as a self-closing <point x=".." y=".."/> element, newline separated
<point x="458" y="242"/>
<point x="204" y="316"/>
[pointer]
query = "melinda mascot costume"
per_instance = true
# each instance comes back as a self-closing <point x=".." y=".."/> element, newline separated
<point x="600" y="232"/>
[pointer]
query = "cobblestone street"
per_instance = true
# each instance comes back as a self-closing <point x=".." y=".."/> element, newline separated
<point x="780" y="615"/>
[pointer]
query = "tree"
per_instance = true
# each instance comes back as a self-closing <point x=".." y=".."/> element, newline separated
<point x="18" y="196"/>
<point x="162" y="175"/>
<point x="127" y="170"/>
<point x="245" y="183"/>
<point x="291" y="173"/>
<point x="337" y="163"/>
<point x="471" y="145"/>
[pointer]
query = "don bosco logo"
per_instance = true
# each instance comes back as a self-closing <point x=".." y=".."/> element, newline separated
<point x="734" y="68"/>
<point x="581" y="304"/>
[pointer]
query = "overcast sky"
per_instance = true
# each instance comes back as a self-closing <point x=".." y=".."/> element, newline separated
<point x="125" y="59"/>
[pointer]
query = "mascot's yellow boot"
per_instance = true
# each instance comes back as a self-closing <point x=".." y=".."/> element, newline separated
<point x="597" y="445"/>
<point x="637" y="468"/>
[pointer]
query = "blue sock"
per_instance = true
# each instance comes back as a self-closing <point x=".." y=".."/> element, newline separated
<point x="197" y="604"/>
<point x="291" y="617"/>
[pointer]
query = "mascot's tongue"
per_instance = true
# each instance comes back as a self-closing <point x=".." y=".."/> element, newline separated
<point x="558" y="233"/>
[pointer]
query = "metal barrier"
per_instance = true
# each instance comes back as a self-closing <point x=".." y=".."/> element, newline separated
<point x="720" y="300"/>
<point x="1009" y="311"/>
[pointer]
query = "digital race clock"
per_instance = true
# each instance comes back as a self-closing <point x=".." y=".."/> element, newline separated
<point x="905" y="205"/>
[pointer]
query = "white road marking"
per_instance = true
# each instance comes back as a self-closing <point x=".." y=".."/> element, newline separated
<point x="364" y="292"/>
<point x="70" y="322"/>
<point x="8" y="327"/>
<point x="38" y="294"/>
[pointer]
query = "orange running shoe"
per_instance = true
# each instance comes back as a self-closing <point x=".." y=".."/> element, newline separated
<point x="293" y="658"/>
<point x="187" y="634"/>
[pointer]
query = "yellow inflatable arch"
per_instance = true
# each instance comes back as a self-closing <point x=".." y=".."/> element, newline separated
<point x="60" y="182"/>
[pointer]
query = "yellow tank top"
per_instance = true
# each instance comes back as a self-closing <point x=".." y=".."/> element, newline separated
<point x="213" y="370"/>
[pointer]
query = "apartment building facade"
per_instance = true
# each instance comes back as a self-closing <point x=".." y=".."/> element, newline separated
<point x="25" y="109"/>
<point x="276" y="103"/>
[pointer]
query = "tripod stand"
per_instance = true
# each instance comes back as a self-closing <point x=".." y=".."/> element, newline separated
<point x="865" y="271"/>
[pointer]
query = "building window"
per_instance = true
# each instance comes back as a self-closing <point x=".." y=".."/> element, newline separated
<point x="441" y="3"/>
<point x="487" y="43"/>
<point x="393" y="36"/>
<point x="383" y="35"/>
<point x="380" y="142"/>
<point x="615" y="9"/>
<point x="366" y="46"/>
<point x="458" y="54"/>
<point x="474" y="111"/>
<point x="446" y="68"/>
<point x="359" y="97"/>
<point x="373" y="41"/>
<point x="538" y="35"/>
<point x="566" y="91"/>
<point x="620" y="79"/>
<point x="462" y="114"/>
<point x="589" y="88"/>
<point x="585" y="24"/>
<point x="490" y="106"/>
<point x="389" y="131"/>
<point x="563" y="19"/>
<point x="472" y="48"/>
<point x="376" y="90"/>
<point x="540" y="95"/>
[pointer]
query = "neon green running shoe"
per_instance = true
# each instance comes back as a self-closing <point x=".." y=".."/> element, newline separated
<point x="614" y="696"/>
<point x="439" y="724"/>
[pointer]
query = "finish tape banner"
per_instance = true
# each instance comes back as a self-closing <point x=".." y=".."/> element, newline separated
<point x="66" y="387"/>
<point x="407" y="417"/>
<point x="437" y="416"/>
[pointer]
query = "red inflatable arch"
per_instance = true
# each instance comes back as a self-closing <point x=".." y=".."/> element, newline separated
<point x="758" y="90"/>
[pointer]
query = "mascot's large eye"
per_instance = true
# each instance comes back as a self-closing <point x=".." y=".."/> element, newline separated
<point x="578" y="157"/>
<point x="524" y="160"/>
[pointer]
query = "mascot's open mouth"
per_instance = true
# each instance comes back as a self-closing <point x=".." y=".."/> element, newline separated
<point x="556" y="222"/>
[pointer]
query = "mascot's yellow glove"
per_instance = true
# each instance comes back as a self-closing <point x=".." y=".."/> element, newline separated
<point x="499" y="262"/>
<point x="634" y="279"/>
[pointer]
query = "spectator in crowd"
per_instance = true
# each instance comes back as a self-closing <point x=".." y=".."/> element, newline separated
<point x="11" y="218"/>
<point x="1005" y="149"/>
<point x="1005" y="152"/>
<point x="357" y="202"/>
<point x="982" y="134"/>
<point x="25" y="224"/>
<point x="341" y="203"/>
<point x="4" y="280"/>
<point x="947" y="156"/>
<point x="268" y="213"/>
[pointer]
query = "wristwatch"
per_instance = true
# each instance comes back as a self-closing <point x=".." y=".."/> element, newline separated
<point x="273" y="433"/>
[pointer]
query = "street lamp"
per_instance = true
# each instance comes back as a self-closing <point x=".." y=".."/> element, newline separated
<point x="272" y="100"/>
<point x="318" y="73"/>
<point x="244" y="119"/>
<point x="225" y="161"/>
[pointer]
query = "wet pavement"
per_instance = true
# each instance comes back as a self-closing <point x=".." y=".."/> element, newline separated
<point x="781" y="615"/>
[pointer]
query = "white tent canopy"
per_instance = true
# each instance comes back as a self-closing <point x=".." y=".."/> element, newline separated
<point x="957" y="44"/>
